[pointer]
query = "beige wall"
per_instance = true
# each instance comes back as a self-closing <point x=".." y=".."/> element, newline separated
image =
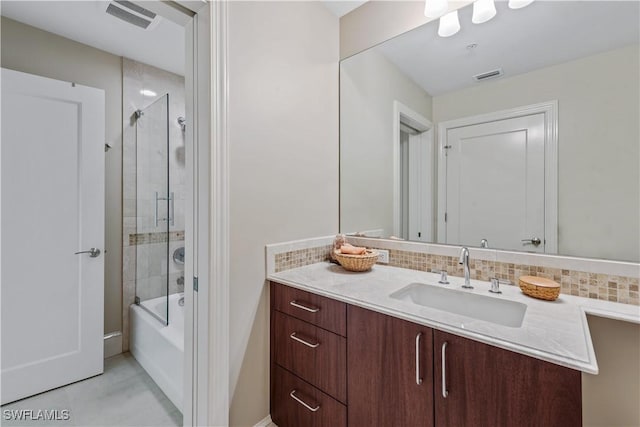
<point x="369" y="85"/>
<point x="30" y="50"/>
<point x="611" y="397"/>
<point x="598" y="149"/>
<point x="283" y="130"/>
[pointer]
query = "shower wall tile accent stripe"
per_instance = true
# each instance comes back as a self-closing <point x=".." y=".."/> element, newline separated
<point x="609" y="287"/>
<point x="160" y="237"/>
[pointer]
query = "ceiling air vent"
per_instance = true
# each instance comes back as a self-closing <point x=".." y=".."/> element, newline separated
<point x="132" y="13"/>
<point x="488" y="75"/>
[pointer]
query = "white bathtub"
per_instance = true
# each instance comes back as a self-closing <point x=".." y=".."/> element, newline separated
<point x="157" y="347"/>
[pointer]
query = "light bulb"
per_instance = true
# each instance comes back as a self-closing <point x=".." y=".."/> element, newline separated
<point x="519" y="4"/>
<point x="483" y="10"/>
<point x="435" y="8"/>
<point x="449" y="24"/>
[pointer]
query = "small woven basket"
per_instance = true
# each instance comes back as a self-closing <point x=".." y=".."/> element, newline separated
<point x="357" y="262"/>
<point x="539" y="287"/>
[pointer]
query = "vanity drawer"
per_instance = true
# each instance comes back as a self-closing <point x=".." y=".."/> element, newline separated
<point x="315" y="355"/>
<point x="324" y="312"/>
<point x="296" y="403"/>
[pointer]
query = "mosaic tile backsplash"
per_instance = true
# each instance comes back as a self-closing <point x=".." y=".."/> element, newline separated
<point x="580" y="283"/>
<point x="301" y="257"/>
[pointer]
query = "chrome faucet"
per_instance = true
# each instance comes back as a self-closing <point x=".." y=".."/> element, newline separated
<point x="464" y="261"/>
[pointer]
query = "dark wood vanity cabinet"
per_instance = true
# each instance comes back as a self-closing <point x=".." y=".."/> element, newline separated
<point x="312" y="353"/>
<point x="334" y="364"/>
<point x="481" y="385"/>
<point x="390" y="378"/>
<point x="308" y="359"/>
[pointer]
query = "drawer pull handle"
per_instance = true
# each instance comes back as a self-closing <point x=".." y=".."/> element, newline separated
<point x="308" y="344"/>
<point x="418" y="378"/>
<point x="300" y="401"/>
<point x="305" y="308"/>
<point x="445" y="393"/>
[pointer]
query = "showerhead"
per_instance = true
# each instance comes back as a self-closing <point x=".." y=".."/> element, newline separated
<point x="183" y="123"/>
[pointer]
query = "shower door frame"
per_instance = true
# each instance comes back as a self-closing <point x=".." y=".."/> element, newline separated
<point x="206" y="379"/>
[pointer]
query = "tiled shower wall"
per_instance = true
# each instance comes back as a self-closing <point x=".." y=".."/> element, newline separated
<point x="605" y="280"/>
<point x="139" y="247"/>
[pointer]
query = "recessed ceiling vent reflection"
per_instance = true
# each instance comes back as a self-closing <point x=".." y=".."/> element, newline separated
<point x="488" y="75"/>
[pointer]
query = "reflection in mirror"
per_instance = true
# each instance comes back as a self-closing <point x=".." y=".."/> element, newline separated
<point x="540" y="156"/>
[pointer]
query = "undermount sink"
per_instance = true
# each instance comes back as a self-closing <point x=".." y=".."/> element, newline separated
<point x="487" y="308"/>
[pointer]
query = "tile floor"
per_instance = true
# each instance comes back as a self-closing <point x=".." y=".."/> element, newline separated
<point x="125" y="395"/>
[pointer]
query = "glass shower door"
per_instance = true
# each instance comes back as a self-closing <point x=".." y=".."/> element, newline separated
<point x="154" y="204"/>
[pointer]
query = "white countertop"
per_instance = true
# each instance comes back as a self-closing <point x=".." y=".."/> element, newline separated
<point x="553" y="331"/>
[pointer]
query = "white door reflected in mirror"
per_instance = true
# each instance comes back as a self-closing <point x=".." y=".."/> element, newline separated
<point x="494" y="183"/>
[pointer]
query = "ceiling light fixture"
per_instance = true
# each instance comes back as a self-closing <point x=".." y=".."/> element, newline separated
<point x="519" y="4"/>
<point x="449" y="24"/>
<point x="435" y="8"/>
<point x="147" y="92"/>
<point x="483" y="10"/>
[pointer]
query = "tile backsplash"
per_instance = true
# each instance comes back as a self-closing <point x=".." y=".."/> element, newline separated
<point x="580" y="283"/>
<point x="301" y="257"/>
<point x="586" y="278"/>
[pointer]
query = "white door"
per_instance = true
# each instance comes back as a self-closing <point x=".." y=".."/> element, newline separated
<point x="495" y="184"/>
<point x="52" y="194"/>
<point x="416" y="175"/>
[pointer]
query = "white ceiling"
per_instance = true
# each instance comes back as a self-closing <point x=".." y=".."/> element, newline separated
<point x="341" y="8"/>
<point x="518" y="41"/>
<point x="162" y="46"/>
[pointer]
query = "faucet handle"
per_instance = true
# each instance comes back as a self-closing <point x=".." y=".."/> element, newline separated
<point x="443" y="277"/>
<point x="495" y="286"/>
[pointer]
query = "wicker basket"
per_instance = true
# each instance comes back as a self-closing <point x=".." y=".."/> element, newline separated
<point x="539" y="287"/>
<point x="357" y="262"/>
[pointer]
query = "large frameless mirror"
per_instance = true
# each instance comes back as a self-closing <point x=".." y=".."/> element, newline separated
<point x="521" y="133"/>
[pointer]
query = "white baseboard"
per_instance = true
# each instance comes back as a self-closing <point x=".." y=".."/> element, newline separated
<point x="265" y="422"/>
<point x="112" y="344"/>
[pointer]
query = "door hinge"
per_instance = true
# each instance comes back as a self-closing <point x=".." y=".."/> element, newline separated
<point x="195" y="283"/>
<point x="445" y="217"/>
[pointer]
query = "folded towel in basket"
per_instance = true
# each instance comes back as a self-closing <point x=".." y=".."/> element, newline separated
<point x="349" y="249"/>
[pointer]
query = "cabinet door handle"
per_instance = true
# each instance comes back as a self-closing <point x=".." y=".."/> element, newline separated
<point x="308" y="344"/>
<point x="445" y="393"/>
<point x="300" y="401"/>
<point x="305" y="308"/>
<point x="418" y="378"/>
